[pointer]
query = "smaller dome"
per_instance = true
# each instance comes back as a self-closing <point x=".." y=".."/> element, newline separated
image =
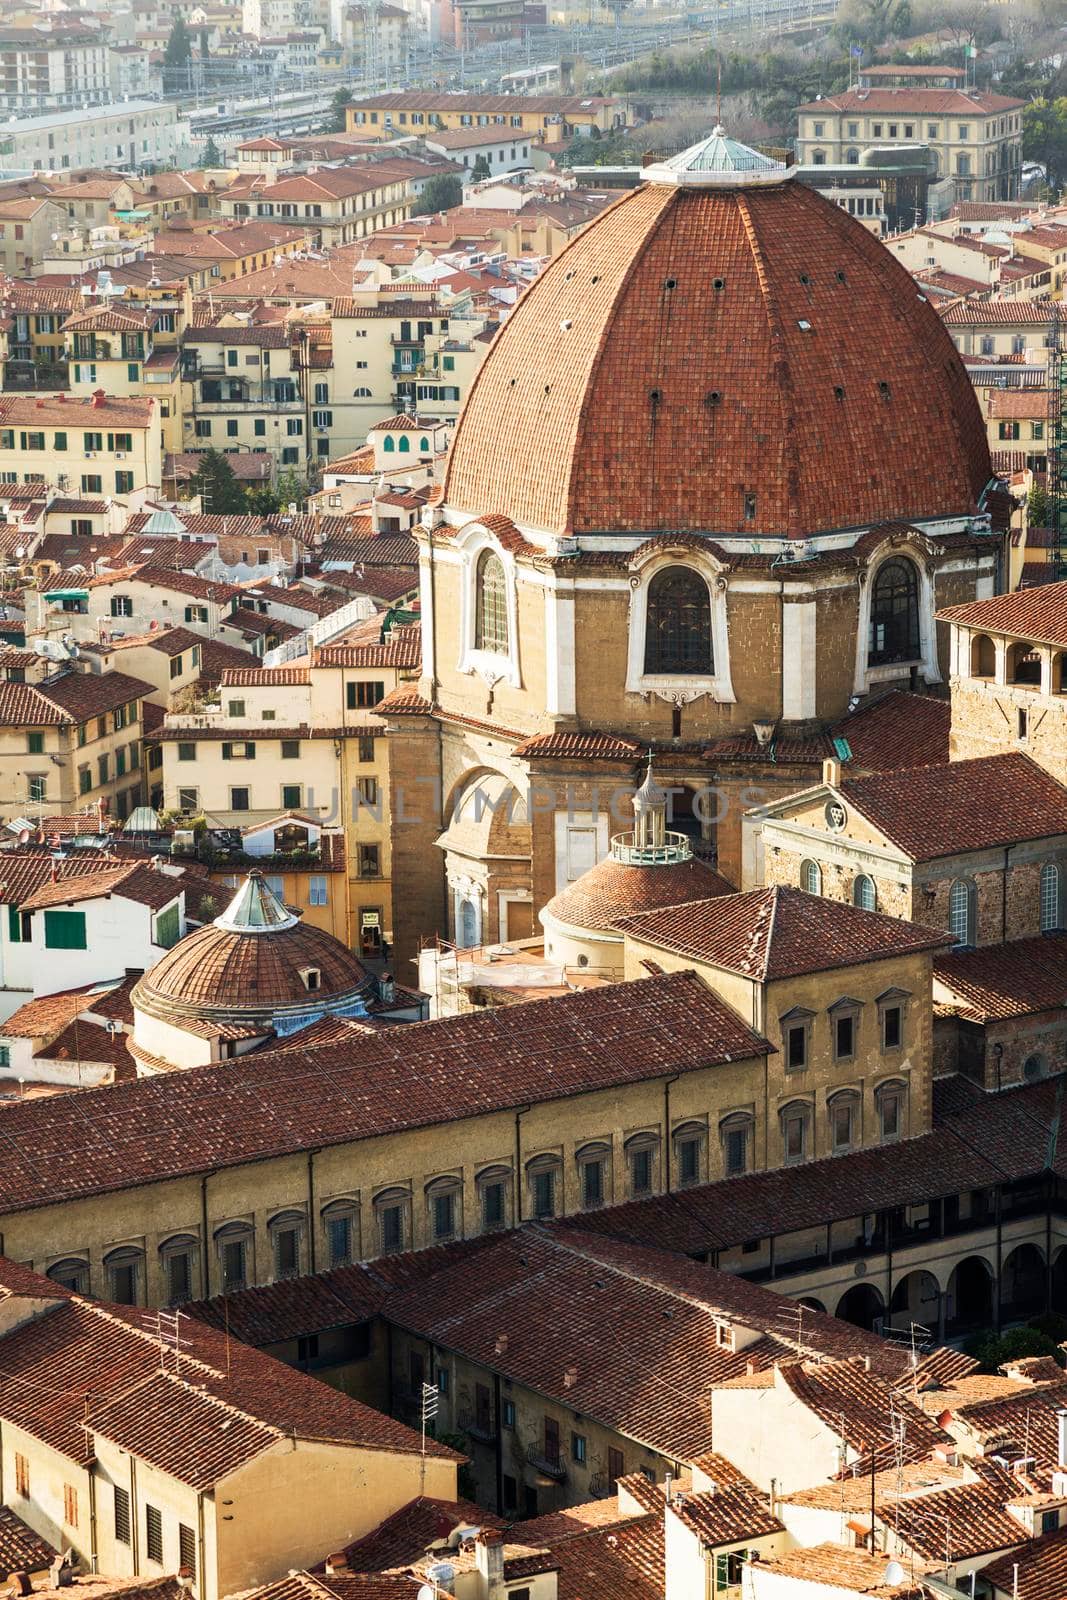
<point x="613" y="889"/>
<point x="717" y="161"/>
<point x="257" y="962"/>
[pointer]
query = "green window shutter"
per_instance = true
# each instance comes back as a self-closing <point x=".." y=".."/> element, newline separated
<point x="61" y="441"/>
<point x="168" y="930"/>
<point x="65" y="930"/>
<point x="14" y="925"/>
<point x="226" y="752"/>
<point x="722" y="1572"/>
<point x="188" y="613"/>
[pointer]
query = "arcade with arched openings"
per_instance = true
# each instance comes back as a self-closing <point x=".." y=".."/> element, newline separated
<point x="862" y="1305"/>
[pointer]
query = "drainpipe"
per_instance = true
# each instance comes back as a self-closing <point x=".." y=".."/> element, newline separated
<point x="311" y="1211"/>
<point x="205" y="1272"/>
<point x="135" y="1519"/>
<point x="201" y="1572"/>
<point x="92" y="1520"/>
<point x="517" y="1204"/>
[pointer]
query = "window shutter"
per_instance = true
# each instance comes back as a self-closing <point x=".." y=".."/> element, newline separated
<point x="14" y="925"/>
<point x="227" y="751"/>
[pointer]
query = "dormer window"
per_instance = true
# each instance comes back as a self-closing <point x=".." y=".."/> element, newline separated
<point x="724" y="1335"/>
<point x="312" y="979"/>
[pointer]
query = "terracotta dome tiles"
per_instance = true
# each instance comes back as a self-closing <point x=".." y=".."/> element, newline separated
<point x="694" y="347"/>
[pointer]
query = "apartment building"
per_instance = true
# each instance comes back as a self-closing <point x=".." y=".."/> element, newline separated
<point x="114" y="347"/>
<point x="140" y="134"/>
<point x="27" y="224"/>
<point x="57" y="67"/>
<point x="337" y="204"/>
<point x="396" y="353"/>
<point x="237" y="249"/>
<point x="305" y="740"/>
<point x="72" y="740"/>
<point x="246" y="387"/>
<point x="974" y="137"/>
<point x="545" y="117"/>
<point x="133" y="599"/>
<point x="92" y="445"/>
<point x="233" y="1476"/>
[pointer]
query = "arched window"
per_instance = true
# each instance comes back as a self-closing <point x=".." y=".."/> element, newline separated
<point x="443" y="1200"/>
<point x="178" y="1257"/>
<point x="1050" y="897"/>
<point x="392" y="1208"/>
<point x="678" y="623"/>
<point x="424" y="445"/>
<point x="864" y="894"/>
<point x="811" y="877"/>
<point x="891" y="1101"/>
<point x="961" y="912"/>
<point x="125" y="1273"/>
<point x="796" y="1123"/>
<point x="365" y="394"/>
<point x="405" y="444"/>
<point x="894" y="632"/>
<point x="1024" y="665"/>
<point x="286" y="1231"/>
<point x="735" y="1136"/>
<point x="983" y="657"/>
<point x="340" y="1222"/>
<point x="72" y="1273"/>
<point x="1034" y="1068"/>
<point x="388" y="445"/>
<point x="852" y="157"/>
<point x="467" y="925"/>
<point x="234" y="1242"/>
<point x="491" y="616"/>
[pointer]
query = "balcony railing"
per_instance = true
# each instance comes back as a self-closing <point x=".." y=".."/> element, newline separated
<point x="550" y="1464"/>
<point x="481" y="1428"/>
<point x="675" y="848"/>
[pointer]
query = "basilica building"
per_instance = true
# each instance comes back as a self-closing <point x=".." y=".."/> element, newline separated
<point x="720" y="469"/>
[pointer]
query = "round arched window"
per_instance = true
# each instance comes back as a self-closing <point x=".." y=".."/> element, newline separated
<point x="678" y="623"/>
<point x="491" y="607"/>
<point x="863" y="893"/>
<point x="894" y="633"/>
<point x="811" y="877"/>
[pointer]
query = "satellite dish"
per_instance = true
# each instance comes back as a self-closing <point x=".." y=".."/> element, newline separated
<point x="25" y="835"/>
<point x="39" y="647"/>
<point x="894" y="1573"/>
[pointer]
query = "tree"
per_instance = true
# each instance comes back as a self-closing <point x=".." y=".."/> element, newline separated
<point x="481" y="169"/>
<point x="215" y="483"/>
<point x="1037" y="506"/>
<point x="212" y="156"/>
<point x="441" y="193"/>
<point x="179" y="51"/>
<point x="992" y="1350"/>
<point x="338" y="121"/>
<point x="292" y="489"/>
<point x="1045" y="136"/>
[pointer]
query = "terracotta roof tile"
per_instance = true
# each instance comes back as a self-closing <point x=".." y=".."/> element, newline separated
<point x="381" y="1082"/>
<point x="961" y="805"/>
<point x="89" y="1364"/>
<point x="612" y="891"/>
<point x="779" y="933"/>
<point x="401" y="648"/>
<point x="999" y="981"/>
<point x="829" y="1568"/>
<point x="404" y="1538"/>
<point x="559" y="745"/>
<point x="21" y="1550"/>
<point x="614" y="343"/>
<point x="1040" y="617"/>
<point x="23" y="873"/>
<point x="1037" y="1573"/>
<point x="142" y="884"/>
<point x="896" y="730"/>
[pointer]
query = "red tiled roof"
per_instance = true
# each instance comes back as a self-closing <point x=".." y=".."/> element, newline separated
<point x="401" y="648"/>
<point x="1015" y="979"/>
<point x="779" y="933"/>
<point x="23" y="873"/>
<point x="896" y="730"/>
<point x="962" y="805"/>
<point x="405" y="1537"/>
<point x="144" y="885"/>
<point x="1039" y="1572"/>
<point x="854" y="1404"/>
<point x="79" y="695"/>
<point x="559" y="745"/>
<point x="932" y="102"/>
<point x="21" y="1549"/>
<point x="832" y="1568"/>
<point x="625" y="336"/>
<point x="379" y="1083"/>
<point x="250" y="677"/>
<point x="597" y="1316"/>
<point x="89" y="1366"/>
<point x="612" y="891"/>
<point x="1040" y="615"/>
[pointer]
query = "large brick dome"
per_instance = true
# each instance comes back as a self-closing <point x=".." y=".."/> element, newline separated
<point x="720" y="352"/>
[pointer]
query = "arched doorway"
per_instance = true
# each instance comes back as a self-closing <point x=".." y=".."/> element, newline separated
<point x="916" y="1299"/>
<point x="969" y="1297"/>
<point x="862" y="1305"/>
<point x="1023" y="1285"/>
<point x="812" y="1304"/>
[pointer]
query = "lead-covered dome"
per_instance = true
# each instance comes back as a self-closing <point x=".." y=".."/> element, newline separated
<point x="723" y="351"/>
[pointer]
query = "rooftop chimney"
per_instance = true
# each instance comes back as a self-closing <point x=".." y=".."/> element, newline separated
<point x="1061" y="1439"/>
<point x="489" y="1559"/>
<point x="336" y="1563"/>
<point x="831" y="772"/>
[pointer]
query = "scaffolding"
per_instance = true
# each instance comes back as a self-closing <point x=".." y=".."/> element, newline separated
<point x="1056" y="477"/>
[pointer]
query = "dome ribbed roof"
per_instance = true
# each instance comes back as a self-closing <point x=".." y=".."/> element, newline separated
<point x="703" y="343"/>
<point x="249" y="962"/>
<point x="611" y="890"/>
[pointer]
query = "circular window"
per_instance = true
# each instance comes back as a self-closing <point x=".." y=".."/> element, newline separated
<point x="835" y="814"/>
